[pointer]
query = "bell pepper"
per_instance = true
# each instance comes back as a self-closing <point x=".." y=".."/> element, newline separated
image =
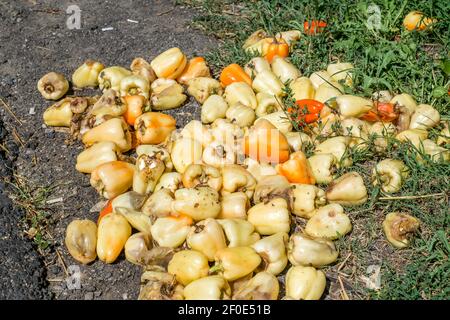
<point x="240" y="114"/>
<point x="159" y="151"/>
<point x="254" y="38"/>
<point x="113" y="233"/>
<point x="188" y="266"/>
<point x="110" y="103"/>
<point x="134" y="85"/>
<point x="329" y="222"/>
<point x="202" y="175"/>
<point x="305" y="283"/>
<point x="136" y="219"/>
<point x="266" y="143"/>
<point x="159" y="204"/>
<point x="304" y="250"/>
<point x="214" y="107"/>
<point x="289" y="36"/>
<point x="414" y="136"/>
<point x="270" y="217"/>
<point x="195" y="130"/>
<point x="306" y="111"/>
<point x="129" y="200"/>
<point x="272" y="250"/>
<point x="405" y="100"/>
<point x="296" y="169"/>
<point x="272" y="186"/>
<point x="263" y="286"/>
<point x="383" y="96"/>
<point x="240" y="92"/>
<point x="218" y="154"/>
<point x="341" y="71"/>
<point x="267" y="104"/>
<point x="235" y="178"/>
<point x="302" y="88"/>
<point x="112" y="178"/>
<point x="239" y="232"/>
<point x="169" y="180"/>
<point x="276" y="47"/>
<point x="185" y="151"/>
<point x="424" y="117"/>
<point x="347" y="190"/>
<point x="154" y="127"/>
<point x="170" y="64"/>
<point x="399" y="227"/>
<point x="353" y="106"/>
<point x="234" y="206"/>
<point x="314" y="27"/>
<point x="255" y="66"/>
<point x="86" y="75"/>
<point x="444" y="136"/>
<point x="323" y="167"/>
<point x="148" y="171"/>
<point x="167" y="95"/>
<point x="195" y="68"/>
<point x="391" y="174"/>
<point x="198" y="203"/>
<point x="96" y="155"/>
<point x="135" y="106"/>
<point x="137" y="248"/>
<point x="114" y="130"/>
<point x="81" y="240"/>
<point x="59" y="114"/>
<point x="298" y="140"/>
<point x="327" y="92"/>
<point x="142" y="68"/>
<point x="320" y="77"/>
<point x="171" y="231"/>
<point x="436" y="153"/>
<point x="110" y="78"/>
<point x="237" y="262"/>
<point x="202" y="87"/>
<point x="208" y="288"/>
<point x="156" y="284"/>
<point x="416" y="20"/>
<point x="234" y="73"/>
<point x="306" y="199"/>
<point x="284" y="70"/>
<point x="259" y="170"/>
<point x="53" y="86"/>
<point x="207" y="237"/>
<point x="279" y="120"/>
<point x="381" y="132"/>
<point x="338" y="147"/>
<point x="267" y="82"/>
<point x="386" y="112"/>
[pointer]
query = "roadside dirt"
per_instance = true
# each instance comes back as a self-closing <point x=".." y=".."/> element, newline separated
<point x="35" y="40"/>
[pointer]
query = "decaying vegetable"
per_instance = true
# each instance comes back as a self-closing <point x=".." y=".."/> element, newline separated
<point x="203" y="87"/>
<point x="307" y="251"/>
<point x="234" y="205"/>
<point x="112" y="178"/>
<point x="113" y="130"/>
<point x="271" y="217"/>
<point x="170" y="64"/>
<point x="185" y="151"/>
<point x="142" y="68"/>
<point x="240" y="92"/>
<point x="239" y="232"/>
<point x="198" y="203"/>
<point x="236" y="178"/>
<point x="214" y="107"/>
<point x="270" y="187"/>
<point x="208" y="288"/>
<point x="53" y="86"/>
<point x="263" y="286"/>
<point x="195" y="68"/>
<point x="306" y="199"/>
<point x="272" y="250"/>
<point x="347" y="190"/>
<point x="329" y="222"/>
<point x="297" y="169"/>
<point x="202" y="175"/>
<point x="207" y="237"/>
<point x="237" y="262"/>
<point x="159" y="204"/>
<point x="81" y="240"/>
<point x="113" y="232"/>
<point x="59" y="114"/>
<point x="154" y="127"/>
<point x="137" y="248"/>
<point x="86" y="75"/>
<point x="156" y="284"/>
<point x="136" y="219"/>
<point x="110" y="78"/>
<point x="305" y="283"/>
<point x="323" y="167"/>
<point x="171" y="231"/>
<point x="391" y="174"/>
<point x="399" y="227"/>
<point x="188" y="266"/>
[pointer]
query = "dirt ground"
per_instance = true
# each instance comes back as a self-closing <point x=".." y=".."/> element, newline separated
<point x="34" y="40"/>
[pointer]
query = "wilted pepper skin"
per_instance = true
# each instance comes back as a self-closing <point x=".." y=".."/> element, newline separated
<point x="267" y="82"/>
<point x="219" y="154"/>
<point x="436" y="153"/>
<point x="266" y="143"/>
<point x="234" y="73"/>
<point x="86" y="75"/>
<point x="329" y="222"/>
<point x="236" y="178"/>
<point x="272" y="186"/>
<point x="170" y="64"/>
<point x="195" y="68"/>
<point x="237" y="262"/>
<point x="171" y="231"/>
<point x="347" y="190"/>
<point x="96" y="155"/>
<point x="188" y="266"/>
<point x="203" y="87"/>
<point x="110" y="78"/>
<point x="405" y="100"/>
<point x="136" y="219"/>
<point x="159" y="204"/>
<point x="306" y="251"/>
<point x="142" y="68"/>
<point x="399" y="227"/>
<point x="323" y="167"/>
<point x="156" y="284"/>
<point x="341" y="72"/>
<point x="272" y="250"/>
<point x="207" y="237"/>
<point x="109" y="104"/>
<point x="297" y="169"/>
<point x="306" y="199"/>
<point x="391" y="174"/>
<point x="135" y="85"/>
<point x="137" y="248"/>
<point x="270" y="218"/>
<point x="239" y="232"/>
<point x="158" y="151"/>
<point x="113" y="130"/>
<point x="424" y="117"/>
<point x="113" y="178"/>
<point x="305" y="283"/>
<point x="200" y="174"/>
<point x="284" y="70"/>
<point x="170" y="180"/>
<point x="198" y="203"/>
<point x="338" y="147"/>
<point x="214" y="107"/>
<point x="59" y="114"/>
<point x="53" y="86"/>
<point x="148" y="171"/>
<point x="234" y="206"/>
<point x="128" y="200"/>
<point x="353" y="106"/>
<point x="81" y="240"/>
<point x="208" y="288"/>
<point x="255" y="66"/>
<point x="154" y="127"/>
<point x="240" y="92"/>
<point x="263" y="286"/>
<point x="113" y="233"/>
<point x="185" y="151"/>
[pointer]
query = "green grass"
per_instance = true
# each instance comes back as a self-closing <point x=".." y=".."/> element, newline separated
<point x="389" y="58"/>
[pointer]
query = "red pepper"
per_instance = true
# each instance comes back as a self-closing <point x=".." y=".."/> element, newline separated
<point x="381" y="112"/>
<point x="314" y="27"/>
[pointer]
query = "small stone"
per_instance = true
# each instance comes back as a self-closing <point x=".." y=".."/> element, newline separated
<point x="98" y="293"/>
<point x="89" y="296"/>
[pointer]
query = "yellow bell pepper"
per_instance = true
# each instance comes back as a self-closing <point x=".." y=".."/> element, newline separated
<point x="188" y="266"/>
<point x="405" y="100"/>
<point x="399" y="227"/>
<point x="347" y="190"/>
<point x="424" y="117"/>
<point x="272" y="186"/>
<point x="169" y="64"/>
<point x="170" y="180"/>
<point x="142" y="68"/>
<point x="185" y="151"/>
<point x="202" y="175"/>
<point x="239" y="232"/>
<point x="323" y="167"/>
<point x="319" y="77"/>
<point x="305" y="283"/>
<point x="353" y="106"/>
<point x="327" y="91"/>
<point x="241" y="115"/>
<point x="159" y="204"/>
<point x="53" y="86"/>
<point x="279" y="121"/>
<point x="329" y="222"/>
<point x="198" y="203"/>
<point x="259" y="170"/>
<point x="109" y="104"/>
<point x="134" y="85"/>
<point x="110" y="78"/>
<point x="208" y="288"/>
<point x="256" y="65"/>
<point x="302" y="88"/>
<point x="298" y="140"/>
<point x="214" y="107"/>
<point x="391" y="174"/>
<point x="114" y="130"/>
<point x="156" y="151"/>
<point x="267" y="104"/>
<point x="81" y="240"/>
<point x="207" y="237"/>
<point x="86" y="75"/>
<point x="202" y="87"/>
<point x="59" y="114"/>
<point x="218" y="154"/>
<point x="271" y="217"/>
<point x="237" y="262"/>
<point x="171" y="231"/>
<point x="284" y="69"/>
<point x="267" y="82"/>
<point x="236" y="178"/>
<point x="272" y="249"/>
<point x="306" y="199"/>
<point x="129" y="200"/>
<point x="136" y="219"/>
<point x="154" y="127"/>
<point x="234" y="206"/>
<point x="341" y="71"/>
<point x="113" y="178"/>
<point x="148" y="171"/>
<point x="263" y="286"/>
<point x="113" y="233"/>
<point x="137" y="248"/>
<point x="240" y="92"/>
<point x="337" y="146"/>
<point x="304" y="250"/>
<point x="96" y="155"/>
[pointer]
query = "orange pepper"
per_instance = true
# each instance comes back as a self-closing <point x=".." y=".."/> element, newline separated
<point x="234" y="73"/>
<point x="314" y="27"/>
<point x="381" y="112"/>
<point x="266" y="143"/>
<point x="187" y="220"/>
<point x="135" y="107"/>
<point x="296" y="169"/>
<point x="107" y="209"/>
<point x="308" y="110"/>
<point x="277" y="47"/>
<point x="196" y="67"/>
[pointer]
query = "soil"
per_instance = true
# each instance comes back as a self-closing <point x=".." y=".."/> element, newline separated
<point x="35" y="40"/>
